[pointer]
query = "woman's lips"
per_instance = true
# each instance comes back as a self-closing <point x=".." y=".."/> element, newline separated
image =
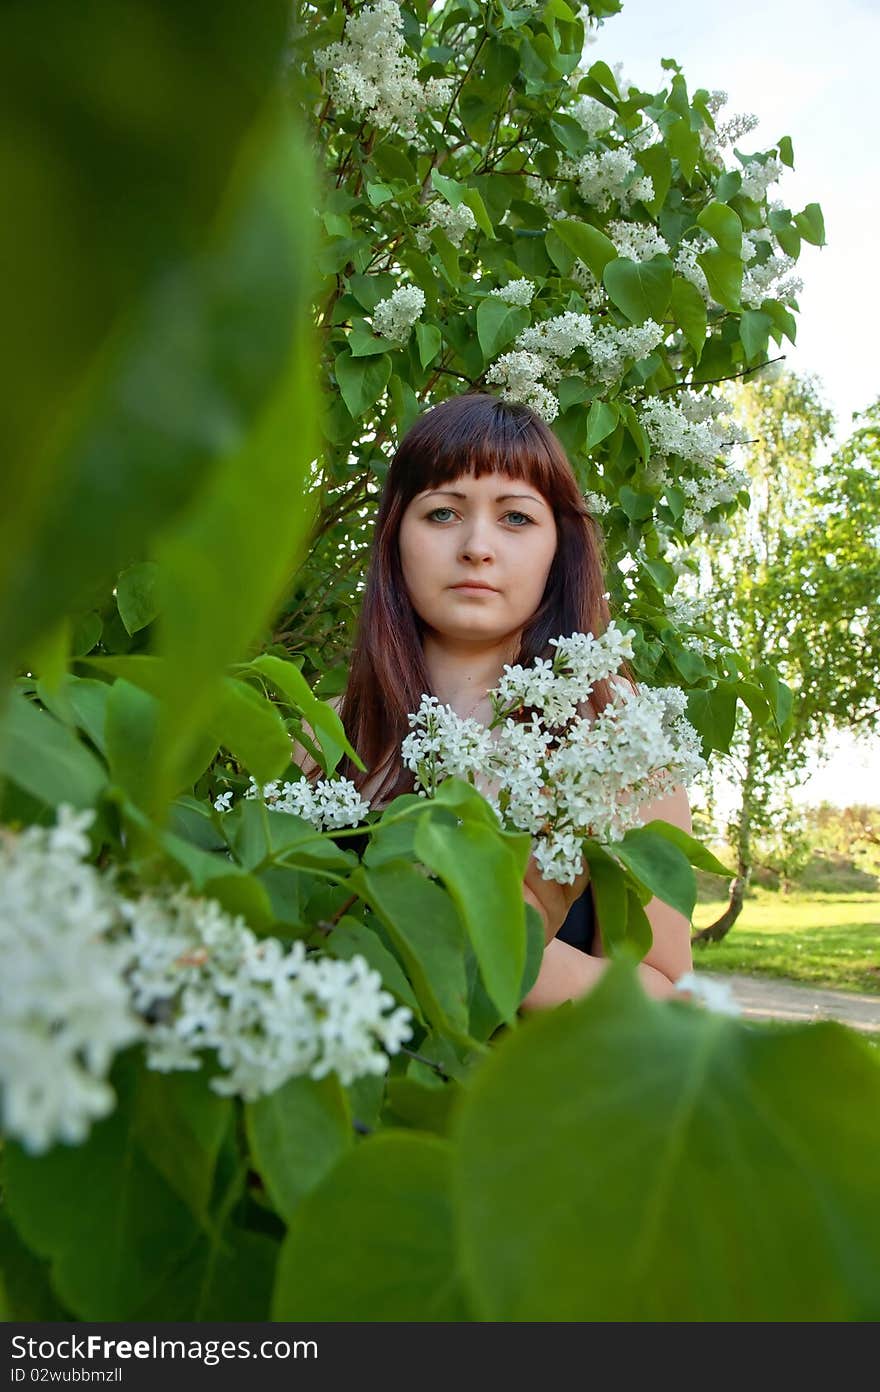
<point x="475" y="589"/>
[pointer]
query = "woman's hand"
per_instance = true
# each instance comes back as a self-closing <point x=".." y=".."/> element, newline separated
<point x="552" y="900"/>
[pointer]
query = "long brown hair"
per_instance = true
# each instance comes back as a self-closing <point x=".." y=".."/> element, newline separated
<point x="474" y="433"/>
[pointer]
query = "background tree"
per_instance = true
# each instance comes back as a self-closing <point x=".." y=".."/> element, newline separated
<point x="793" y="585"/>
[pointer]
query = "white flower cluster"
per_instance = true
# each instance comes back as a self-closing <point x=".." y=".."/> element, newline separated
<point x="559" y="775"/>
<point x="455" y="222"/>
<point x="519" y="377"/>
<point x="516" y="292"/>
<point x="393" y="318"/>
<point x="88" y="972"/>
<point x="535" y="365"/>
<point x="685" y="263"/>
<point x="672" y="429"/>
<point x="637" y="240"/>
<point x="770" y="278"/>
<point x="64" y="1004"/>
<point x="591" y="115"/>
<point x="527" y="373"/>
<point x="726" y="132"/>
<point x="697" y="430"/>
<point x="757" y="177"/>
<point x="268" y="1011"/>
<point x="596" y="503"/>
<point x="328" y="803"/>
<point x="609" y="176"/>
<point x="370" y="73"/>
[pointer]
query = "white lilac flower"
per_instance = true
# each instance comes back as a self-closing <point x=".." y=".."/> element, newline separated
<point x="328" y="803"/>
<point x="611" y="175"/>
<point x="637" y="240"/>
<point x="393" y="318"/>
<point x="64" y="1004"/>
<point x="593" y="290"/>
<point x="268" y="1011"/>
<point x="768" y="279"/>
<point x="370" y="73"/>
<point x="455" y="222"/>
<point x="596" y="504"/>
<point x="516" y="292"/>
<point x="592" y="116"/>
<point x="518" y="374"/>
<point x="558" y="775"/>
<point x="612" y="349"/>
<point x="714" y="995"/>
<point x="685" y="263"/>
<point x="757" y="177"/>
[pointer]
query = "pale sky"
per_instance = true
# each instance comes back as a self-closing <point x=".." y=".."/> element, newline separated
<point x="808" y="70"/>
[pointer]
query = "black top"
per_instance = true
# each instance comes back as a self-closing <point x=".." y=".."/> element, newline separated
<point x="580" y="923"/>
<point x="578" y="928"/>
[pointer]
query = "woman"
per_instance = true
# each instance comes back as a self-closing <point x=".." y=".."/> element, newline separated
<point x="484" y="551"/>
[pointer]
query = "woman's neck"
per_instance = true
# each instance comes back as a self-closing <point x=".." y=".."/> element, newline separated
<point x="461" y="674"/>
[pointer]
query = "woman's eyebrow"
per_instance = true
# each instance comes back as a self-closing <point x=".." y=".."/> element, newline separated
<point x="502" y="497"/>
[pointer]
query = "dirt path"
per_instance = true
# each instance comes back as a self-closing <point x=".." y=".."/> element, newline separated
<point x="767" y="998"/>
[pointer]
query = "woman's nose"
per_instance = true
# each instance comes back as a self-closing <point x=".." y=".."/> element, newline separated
<point x="476" y="543"/>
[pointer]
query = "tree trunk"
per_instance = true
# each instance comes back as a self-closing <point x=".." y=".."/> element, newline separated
<point x="722" y="926"/>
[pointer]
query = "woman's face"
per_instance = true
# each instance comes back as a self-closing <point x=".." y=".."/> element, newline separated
<point x="495" y="531"/>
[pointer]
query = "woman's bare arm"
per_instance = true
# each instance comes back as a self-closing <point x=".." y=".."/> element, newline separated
<point x="567" y="972"/>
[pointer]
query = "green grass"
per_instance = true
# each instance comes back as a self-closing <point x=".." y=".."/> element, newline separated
<point x="820" y="939"/>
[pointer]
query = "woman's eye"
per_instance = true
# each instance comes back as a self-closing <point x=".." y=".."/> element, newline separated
<point x="521" y="515"/>
<point x="432" y="516"/>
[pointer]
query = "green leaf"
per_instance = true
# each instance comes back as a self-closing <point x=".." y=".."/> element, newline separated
<point x="375" y="1241"/>
<point x="361" y="380"/>
<point x="641" y="289"/>
<point x="657" y="165"/>
<point x="587" y="242"/>
<point x="637" y="506"/>
<point x="131" y="732"/>
<point x="351" y="938"/>
<point x="426" y="933"/>
<point x="602" y="418"/>
<point x="484" y="880"/>
<point x="608" y="885"/>
<point x="786" y="152"/>
<point x="713" y="715"/>
<point x="689" y="312"/>
<point x="660" y="865"/>
<point x="498" y="324"/>
<point x="102" y="449"/>
<point x="736" y="1168"/>
<point x="724" y="274"/>
<point x="45" y="758"/>
<point x="424" y="1106"/>
<point x="136" y="596"/>
<point x="430" y="341"/>
<point x="474" y="201"/>
<point x="723" y="224"/>
<point x="109" y="1222"/>
<point x="180" y="1124"/>
<point x="698" y="854"/>
<point x="451" y="189"/>
<point x="251" y="728"/>
<point x="754" y="331"/>
<point x="811" y="224"/>
<point x="684" y="145"/>
<point x="323" y="719"/>
<point x="296" y="1135"/>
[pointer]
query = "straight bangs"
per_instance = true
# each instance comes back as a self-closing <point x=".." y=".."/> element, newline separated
<point x="475" y="434"/>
